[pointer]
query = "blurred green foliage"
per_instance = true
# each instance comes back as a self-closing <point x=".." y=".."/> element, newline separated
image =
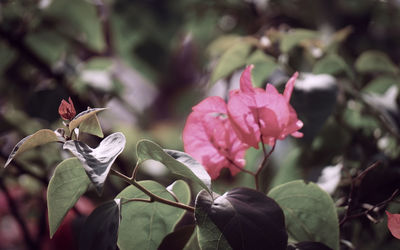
<point x="150" y="61"/>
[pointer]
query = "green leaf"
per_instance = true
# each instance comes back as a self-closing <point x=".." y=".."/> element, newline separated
<point x="381" y="84"/>
<point x="332" y="64"/>
<point x="83" y="116"/>
<point x="68" y="183"/>
<point x="41" y="137"/>
<point x="91" y="126"/>
<point x="143" y="224"/>
<point x="148" y="150"/>
<point x="289" y="169"/>
<point x="48" y="45"/>
<point x="244" y="217"/>
<point x="232" y="59"/>
<point x="375" y="61"/>
<point x="208" y="235"/>
<point x="310" y="213"/>
<point x="264" y="66"/>
<point x="295" y="37"/>
<point x="97" y="162"/>
<point x="78" y="19"/>
<point x="100" y="231"/>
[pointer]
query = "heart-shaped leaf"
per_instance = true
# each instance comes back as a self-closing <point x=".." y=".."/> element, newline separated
<point x="100" y="230"/>
<point x="148" y="150"/>
<point x="145" y="224"/>
<point x="68" y="183"/>
<point x="310" y="212"/>
<point x="245" y="217"/>
<point x="91" y="126"/>
<point x="41" y="137"/>
<point x="97" y="162"/>
<point x="83" y="116"/>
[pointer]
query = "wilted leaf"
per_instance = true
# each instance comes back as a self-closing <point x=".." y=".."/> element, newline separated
<point x="83" y="116"/>
<point x="148" y="150"/>
<point x="68" y="183"/>
<point x="91" y="126"/>
<point x="295" y="37"/>
<point x="310" y="213"/>
<point x="375" y="61"/>
<point x="232" y="59"/>
<point x="41" y="137"/>
<point x="246" y="218"/>
<point x="97" y="162"/>
<point x="144" y="225"/>
<point x="100" y="230"/>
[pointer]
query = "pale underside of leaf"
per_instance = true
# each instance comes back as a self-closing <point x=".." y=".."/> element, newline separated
<point x="97" y="162"/>
<point x="91" y="126"/>
<point x="148" y="150"/>
<point x="41" y="137"/>
<point x="81" y="117"/>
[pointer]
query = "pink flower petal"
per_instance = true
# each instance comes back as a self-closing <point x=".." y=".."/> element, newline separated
<point x="394" y="224"/>
<point x="287" y="93"/>
<point x="246" y="85"/>
<point x="211" y="104"/>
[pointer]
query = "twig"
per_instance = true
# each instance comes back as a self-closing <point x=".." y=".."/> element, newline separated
<point x="263" y="163"/>
<point x="354" y="184"/>
<point x="152" y="196"/>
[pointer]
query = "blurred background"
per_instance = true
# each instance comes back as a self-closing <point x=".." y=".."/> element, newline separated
<point x="150" y="61"/>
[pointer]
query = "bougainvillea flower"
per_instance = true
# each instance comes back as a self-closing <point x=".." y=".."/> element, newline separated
<point x="209" y="138"/>
<point x="255" y="112"/>
<point x="394" y="224"/>
<point x="67" y="110"/>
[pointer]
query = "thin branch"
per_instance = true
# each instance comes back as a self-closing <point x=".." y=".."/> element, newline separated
<point x="153" y="197"/>
<point x="356" y="181"/>
<point x="263" y="163"/>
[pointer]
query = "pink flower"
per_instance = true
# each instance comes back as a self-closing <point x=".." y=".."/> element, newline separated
<point x="394" y="224"/>
<point x="255" y="112"/>
<point x="209" y="137"/>
<point x="67" y="110"/>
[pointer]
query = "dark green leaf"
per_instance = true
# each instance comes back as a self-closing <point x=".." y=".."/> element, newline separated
<point x="91" y="126"/>
<point x="177" y="239"/>
<point x="232" y="59"/>
<point x="375" y="61"/>
<point x="41" y="137"/>
<point x="145" y="224"/>
<point x="68" y="183"/>
<point x="100" y="231"/>
<point x="308" y="245"/>
<point x="148" y="150"/>
<point x="97" y="162"/>
<point x="381" y="84"/>
<point x="245" y="217"/>
<point x="83" y="116"/>
<point x="310" y="212"/>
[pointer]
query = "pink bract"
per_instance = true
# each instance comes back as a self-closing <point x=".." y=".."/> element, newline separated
<point x="394" y="224"/>
<point x="209" y="137"/>
<point x="67" y="110"/>
<point x="255" y="112"/>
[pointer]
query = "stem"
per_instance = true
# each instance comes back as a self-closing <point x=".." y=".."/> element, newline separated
<point x="152" y="196"/>
<point x="241" y="169"/>
<point x="263" y="163"/>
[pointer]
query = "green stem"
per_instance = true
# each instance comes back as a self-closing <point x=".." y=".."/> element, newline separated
<point x="152" y="196"/>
